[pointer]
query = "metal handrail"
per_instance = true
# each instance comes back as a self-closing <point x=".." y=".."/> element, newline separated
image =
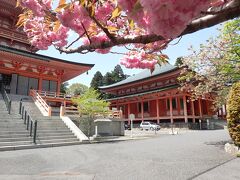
<point x="31" y="124"/>
<point x="6" y="99"/>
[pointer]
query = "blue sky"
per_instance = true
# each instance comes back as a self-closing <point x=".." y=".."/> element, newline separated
<point x="106" y="62"/>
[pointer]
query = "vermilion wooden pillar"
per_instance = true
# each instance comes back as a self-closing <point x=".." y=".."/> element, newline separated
<point x="193" y="111"/>
<point x="178" y="106"/>
<point x="207" y="109"/>
<point x="200" y="107"/>
<point x="142" y="110"/>
<point x="185" y="109"/>
<point x="128" y="113"/>
<point x="157" y="106"/>
<point x="171" y="109"/>
<point x="58" y="86"/>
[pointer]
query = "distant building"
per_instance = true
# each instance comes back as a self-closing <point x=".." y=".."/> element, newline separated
<point x="156" y="96"/>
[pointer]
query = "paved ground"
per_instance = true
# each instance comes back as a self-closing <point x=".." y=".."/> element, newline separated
<point x="191" y="155"/>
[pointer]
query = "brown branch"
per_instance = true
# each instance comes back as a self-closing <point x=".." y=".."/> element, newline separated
<point x="227" y="13"/>
<point x="105" y="30"/>
<point x="79" y="37"/>
<point x="230" y="12"/>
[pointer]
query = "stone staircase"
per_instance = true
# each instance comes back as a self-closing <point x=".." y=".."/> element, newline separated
<point x="13" y="133"/>
<point x="51" y="131"/>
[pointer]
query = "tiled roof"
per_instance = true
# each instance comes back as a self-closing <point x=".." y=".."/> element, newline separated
<point x="147" y="92"/>
<point x="38" y="56"/>
<point x="145" y="74"/>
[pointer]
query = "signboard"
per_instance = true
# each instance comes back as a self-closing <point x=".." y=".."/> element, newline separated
<point x="132" y="116"/>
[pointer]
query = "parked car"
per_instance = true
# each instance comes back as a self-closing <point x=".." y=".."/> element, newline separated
<point x="149" y="126"/>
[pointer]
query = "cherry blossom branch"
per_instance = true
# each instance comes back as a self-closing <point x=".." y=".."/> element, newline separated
<point x="105" y="30"/>
<point x="227" y="13"/>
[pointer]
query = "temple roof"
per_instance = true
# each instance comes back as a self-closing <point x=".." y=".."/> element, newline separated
<point x="39" y="56"/>
<point x="145" y="74"/>
<point x="70" y="69"/>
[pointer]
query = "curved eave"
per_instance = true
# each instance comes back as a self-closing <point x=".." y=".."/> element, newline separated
<point x="119" y="84"/>
<point x="71" y="69"/>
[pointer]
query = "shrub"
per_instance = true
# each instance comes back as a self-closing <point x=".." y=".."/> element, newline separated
<point x="233" y="113"/>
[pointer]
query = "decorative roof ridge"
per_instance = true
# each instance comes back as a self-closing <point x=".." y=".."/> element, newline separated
<point x="39" y="56"/>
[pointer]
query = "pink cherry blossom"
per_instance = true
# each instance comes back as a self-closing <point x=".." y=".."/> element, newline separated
<point x="166" y="18"/>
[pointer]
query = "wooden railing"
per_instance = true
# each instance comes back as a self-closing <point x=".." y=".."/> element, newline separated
<point x="72" y="110"/>
<point x="64" y="111"/>
<point x="50" y="94"/>
<point x="41" y="103"/>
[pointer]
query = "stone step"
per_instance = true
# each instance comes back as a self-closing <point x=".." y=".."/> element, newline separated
<point x="13" y="132"/>
<point x="57" y="140"/>
<point x="47" y="134"/>
<point x="53" y="129"/>
<point x="14" y="143"/>
<point x="8" y="120"/>
<point x="45" y="117"/>
<point x="55" y="137"/>
<point x="11" y="123"/>
<point x="56" y="131"/>
<point x="11" y="116"/>
<point x="13" y="128"/>
<point x="14" y="135"/>
<point x="13" y="139"/>
<point x="43" y="127"/>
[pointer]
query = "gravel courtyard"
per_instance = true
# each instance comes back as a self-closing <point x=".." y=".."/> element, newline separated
<point x="191" y="155"/>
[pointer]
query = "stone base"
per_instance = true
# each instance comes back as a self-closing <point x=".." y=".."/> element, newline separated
<point x="232" y="149"/>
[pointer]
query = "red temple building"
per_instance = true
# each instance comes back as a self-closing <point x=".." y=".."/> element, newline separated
<point x="21" y="69"/>
<point x="157" y="97"/>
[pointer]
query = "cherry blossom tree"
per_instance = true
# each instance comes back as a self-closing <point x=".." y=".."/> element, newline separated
<point x="215" y="66"/>
<point x="144" y="27"/>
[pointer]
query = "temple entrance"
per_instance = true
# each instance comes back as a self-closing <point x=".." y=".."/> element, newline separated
<point x="24" y="84"/>
<point x="5" y="80"/>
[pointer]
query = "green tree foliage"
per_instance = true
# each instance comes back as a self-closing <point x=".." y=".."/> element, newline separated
<point x="233" y="113"/>
<point x="63" y="87"/>
<point x="77" y="89"/>
<point x="179" y="61"/>
<point x="97" y="80"/>
<point x="108" y="79"/>
<point x="90" y="104"/>
<point x="118" y="74"/>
